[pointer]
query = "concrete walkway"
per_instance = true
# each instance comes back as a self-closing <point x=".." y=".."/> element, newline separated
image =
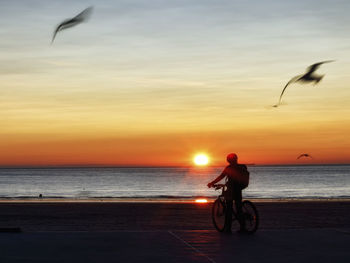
<point x="309" y="245"/>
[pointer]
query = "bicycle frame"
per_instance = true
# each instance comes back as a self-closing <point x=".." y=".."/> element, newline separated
<point x="250" y="216"/>
<point x="223" y="200"/>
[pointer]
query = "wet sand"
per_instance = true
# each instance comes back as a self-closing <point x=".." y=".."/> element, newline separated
<point x="116" y="216"/>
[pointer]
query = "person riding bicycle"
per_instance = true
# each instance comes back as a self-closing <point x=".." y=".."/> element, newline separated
<point x="237" y="178"/>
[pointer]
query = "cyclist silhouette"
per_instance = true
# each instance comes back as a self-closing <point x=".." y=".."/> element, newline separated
<point x="237" y="178"/>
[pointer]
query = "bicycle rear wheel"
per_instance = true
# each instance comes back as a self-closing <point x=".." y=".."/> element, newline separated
<point x="218" y="214"/>
<point x="250" y="216"/>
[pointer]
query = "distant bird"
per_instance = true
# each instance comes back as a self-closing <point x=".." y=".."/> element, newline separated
<point x="308" y="76"/>
<point x="82" y="17"/>
<point x="304" y="155"/>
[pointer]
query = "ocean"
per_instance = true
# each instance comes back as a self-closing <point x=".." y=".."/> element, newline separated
<point x="276" y="182"/>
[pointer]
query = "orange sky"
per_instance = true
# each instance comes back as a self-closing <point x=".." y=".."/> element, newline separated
<point x="253" y="146"/>
<point x="165" y="80"/>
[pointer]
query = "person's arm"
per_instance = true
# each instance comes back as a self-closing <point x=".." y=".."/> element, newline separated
<point x="217" y="179"/>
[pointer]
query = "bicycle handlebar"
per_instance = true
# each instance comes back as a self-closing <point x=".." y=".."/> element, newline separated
<point x="218" y="186"/>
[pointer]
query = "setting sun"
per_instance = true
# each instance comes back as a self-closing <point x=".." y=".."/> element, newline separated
<point x="201" y="159"/>
<point x="202" y="201"/>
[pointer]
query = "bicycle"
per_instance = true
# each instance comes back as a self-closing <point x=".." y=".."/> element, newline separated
<point x="250" y="213"/>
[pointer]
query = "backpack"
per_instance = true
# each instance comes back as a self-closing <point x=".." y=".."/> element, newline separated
<point x="244" y="182"/>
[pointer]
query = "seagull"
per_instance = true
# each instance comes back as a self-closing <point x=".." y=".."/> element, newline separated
<point x="81" y="17"/>
<point x="308" y="76"/>
<point x="304" y="155"/>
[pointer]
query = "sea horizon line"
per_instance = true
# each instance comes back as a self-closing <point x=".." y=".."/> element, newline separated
<point x="79" y="166"/>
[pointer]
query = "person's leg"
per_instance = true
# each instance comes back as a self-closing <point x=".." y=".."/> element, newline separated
<point x="238" y="203"/>
<point x="228" y="216"/>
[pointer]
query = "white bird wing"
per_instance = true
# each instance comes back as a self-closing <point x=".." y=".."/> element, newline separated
<point x="59" y="28"/>
<point x="81" y="17"/>
<point x="84" y="15"/>
<point x="304" y="155"/>
<point x="315" y="66"/>
<point x="301" y="155"/>
<point x="289" y="82"/>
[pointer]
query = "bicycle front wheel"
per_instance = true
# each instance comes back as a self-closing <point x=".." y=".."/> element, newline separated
<point x="250" y="216"/>
<point x="218" y="214"/>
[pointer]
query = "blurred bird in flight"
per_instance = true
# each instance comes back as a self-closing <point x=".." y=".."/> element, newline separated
<point x="81" y="17"/>
<point x="304" y="155"/>
<point x="308" y="76"/>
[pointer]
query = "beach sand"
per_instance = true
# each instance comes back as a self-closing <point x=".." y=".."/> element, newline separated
<point x="105" y="231"/>
<point x="111" y="216"/>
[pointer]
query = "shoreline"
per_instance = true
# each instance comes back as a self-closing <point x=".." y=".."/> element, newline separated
<point x="162" y="200"/>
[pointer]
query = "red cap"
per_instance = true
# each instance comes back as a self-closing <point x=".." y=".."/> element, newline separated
<point x="232" y="158"/>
